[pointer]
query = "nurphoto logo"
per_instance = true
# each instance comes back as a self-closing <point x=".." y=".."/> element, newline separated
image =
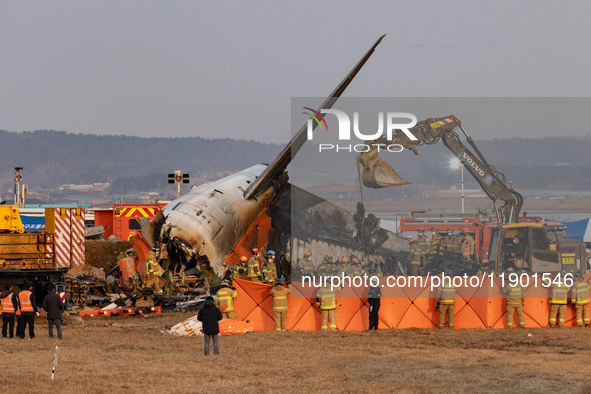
<point x="392" y="120"/>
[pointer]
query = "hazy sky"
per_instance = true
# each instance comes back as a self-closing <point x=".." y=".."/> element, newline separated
<point x="229" y="69"/>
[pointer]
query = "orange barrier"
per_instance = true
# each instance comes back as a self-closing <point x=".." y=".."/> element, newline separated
<point x="401" y="307"/>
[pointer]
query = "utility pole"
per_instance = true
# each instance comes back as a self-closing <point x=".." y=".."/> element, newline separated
<point x="179" y="178"/>
<point x="462" y="169"/>
<point x="20" y="193"/>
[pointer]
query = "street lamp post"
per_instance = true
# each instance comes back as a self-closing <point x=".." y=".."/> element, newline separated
<point x="456" y="163"/>
<point x="462" y="170"/>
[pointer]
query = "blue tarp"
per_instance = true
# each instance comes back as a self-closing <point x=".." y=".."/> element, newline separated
<point x="579" y="230"/>
<point x="33" y="223"/>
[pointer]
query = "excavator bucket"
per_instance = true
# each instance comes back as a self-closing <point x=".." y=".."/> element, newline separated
<point x="377" y="172"/>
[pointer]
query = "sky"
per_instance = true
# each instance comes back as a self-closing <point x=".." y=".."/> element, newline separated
<point x="229" y="69"/>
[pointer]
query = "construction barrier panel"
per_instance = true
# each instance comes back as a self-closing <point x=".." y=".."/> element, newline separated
<point x="401" y="307"/>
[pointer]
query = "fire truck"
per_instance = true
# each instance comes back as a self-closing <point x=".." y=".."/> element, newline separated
<point x="122" y="220"/>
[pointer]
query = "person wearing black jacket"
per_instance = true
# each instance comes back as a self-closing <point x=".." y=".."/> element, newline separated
<point x="209" y="316"/>
<point x="374" y="305"/>
<point x="9" y="308"/>
<point x="53" y="305"/>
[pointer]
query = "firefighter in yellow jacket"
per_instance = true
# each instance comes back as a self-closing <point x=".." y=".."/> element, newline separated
<point x="515" y="301"/>
<point x="254" y="269"/>
<point x="424" y="246"/>
<point x="224" y="299"/>
<point x="436" y="243"/>
<point x="306" y="264"/>
<point x="414" y="257"/>
<point x="279" y="294"/>
<point x="152" y="272"/>
<point x="446" y="299"/>
<point x="580" y="299"/>
<point x="326" y="300"/>
<point x="559" y="301"/>
<point x="467" y="245"/>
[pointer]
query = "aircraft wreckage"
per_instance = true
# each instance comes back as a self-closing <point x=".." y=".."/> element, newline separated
<point x="217" y="222"/>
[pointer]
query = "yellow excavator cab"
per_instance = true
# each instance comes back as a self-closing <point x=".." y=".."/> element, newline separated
<point x="10" y="220"/>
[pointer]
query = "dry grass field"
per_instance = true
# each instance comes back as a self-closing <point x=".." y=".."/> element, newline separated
<point x="127" y="355"/>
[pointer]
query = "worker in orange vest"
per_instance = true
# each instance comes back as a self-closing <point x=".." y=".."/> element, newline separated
<point x="9" y="307"/>
<point x="224" y="299"/>
<point x="279" y="294"/>
<point x="28" y="310"/>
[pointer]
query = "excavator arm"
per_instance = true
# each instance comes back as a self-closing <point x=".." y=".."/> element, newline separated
<point x="378" y="173"/>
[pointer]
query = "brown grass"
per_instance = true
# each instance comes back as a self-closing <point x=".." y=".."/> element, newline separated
<point x="127" y="355"/>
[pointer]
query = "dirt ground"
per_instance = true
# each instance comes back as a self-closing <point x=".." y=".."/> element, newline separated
<point x="126" y="354"/>
<point x="104" y="253"/>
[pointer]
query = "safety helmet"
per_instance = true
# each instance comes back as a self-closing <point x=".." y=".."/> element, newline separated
<point x="449" y="272"/>
<point x="410" y="240"/>
<point x="243" y="258"/>
<point x="344" y="260"/>
<point x="355" y="260"/>
<point x="434" y="229"/>
<point x="328" y="257"/>
<point x="510" y="269"/>
<point x="420" y="229"/>
<point x="226" y="283"/>
<point x="279" y="281"/>
<point x="351" y="257"/>
<point x="456" y="232"/>
<point x="578" y="274"/>
<point x="155" y="248"/>
<point x="484" y="262"/>
<point x="271" y="253"/>
<point x="449" y="229"/>
<point x="465" y="230"/>
<point x="371" y="268"/>
<point x="255" y="250"/>
<point x="307" y="253"/>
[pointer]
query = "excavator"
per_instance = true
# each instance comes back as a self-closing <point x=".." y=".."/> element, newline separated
<point x="545" y="251"/>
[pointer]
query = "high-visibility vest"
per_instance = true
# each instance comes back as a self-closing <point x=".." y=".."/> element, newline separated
<point x="580" y="294"/>
<point x="279" y="294"/>
<point x="515" y="295"/>
<point x="446" y="293"/>
<point x="559" y="293"/>
<point x="150" y="265"/>
<point x="7" y="306"/>
<point x="267" y="273"/>
<point x="327" y="298"/>
<point x="225" y="298"/>
<point x="26" y="304"/>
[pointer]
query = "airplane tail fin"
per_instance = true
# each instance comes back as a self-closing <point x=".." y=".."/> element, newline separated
<point x="284" y="158"/>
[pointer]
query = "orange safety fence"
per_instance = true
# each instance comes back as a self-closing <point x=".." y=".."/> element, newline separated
<point x="401" y="307"/>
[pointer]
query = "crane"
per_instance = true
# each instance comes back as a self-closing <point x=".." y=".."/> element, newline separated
<point x="377" y="173"/>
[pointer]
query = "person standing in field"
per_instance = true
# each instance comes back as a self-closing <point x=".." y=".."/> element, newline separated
<point x="28" y="310"/>
<point x="446" y="300"/>
<point x="374" y="303"/>
<point x="515" y="301"/>
<point x="580" y="299"/>
<point x="9" y="308"/>
<point x="209" y="316"/>
<point x="224" y="300"/>
<point x="53" y="305"/>
<point x="280" y="305"/>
